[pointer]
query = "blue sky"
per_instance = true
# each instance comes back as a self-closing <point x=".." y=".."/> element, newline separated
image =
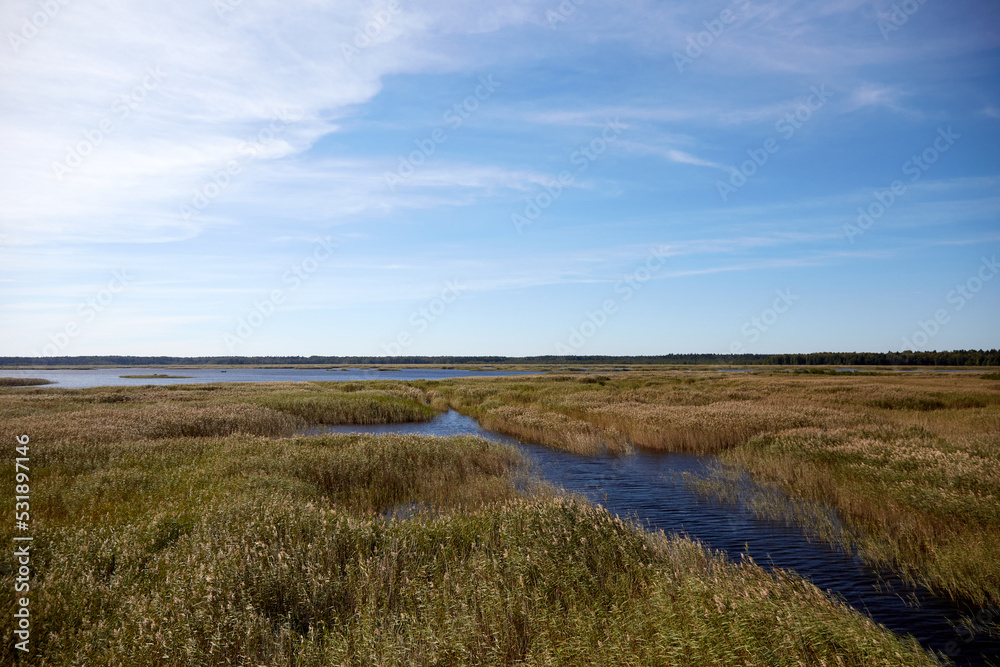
<point x="513" y="177"/>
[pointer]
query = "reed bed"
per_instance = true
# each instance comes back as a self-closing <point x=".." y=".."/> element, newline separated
<point x="668" y="412"/>
<point x="282" y="580"/>
<point x="381" y="474"/>
<point x="367" y="407"/>
<point x="130" y="413"/>
<point x="23" y="382"/>
<point x="555" y="429"/>
<point x="136" y="422"/>
<point x="244" y="548"/>
<point x="926" y="507"/>
<point x="900" y="467"/>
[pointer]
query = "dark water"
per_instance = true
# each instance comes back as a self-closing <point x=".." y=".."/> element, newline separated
<point x="105" y="377"/>
<point x="646" y="487"/>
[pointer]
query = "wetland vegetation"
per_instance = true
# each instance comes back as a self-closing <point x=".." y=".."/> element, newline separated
<point x="910" y="462"/>
<point x="23" y="382"/>
<point x="194" y="524"/>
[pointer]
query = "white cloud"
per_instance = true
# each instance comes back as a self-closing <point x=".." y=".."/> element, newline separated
<point x="875" y="95"/>
<point x="222" y="80"/>
<point x="671" y="154"/>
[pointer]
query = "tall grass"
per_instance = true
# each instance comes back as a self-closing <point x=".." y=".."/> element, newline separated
<point x="901" y="467"/>
<point x="368" y="407"/>
<point x="23" y="382"/>
<point x="376" y="475"/>
<point x="554" y="429"/>
<point x="916" y="503"/>
<point x="118" y="413"/>
<point x="591" y="414"/>
<point x="208" y="549"/>
<point x="278" y="580"/>
<point x="135" y="422"/>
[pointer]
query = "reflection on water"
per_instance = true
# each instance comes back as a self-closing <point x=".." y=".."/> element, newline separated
<point x="646" y="487"/>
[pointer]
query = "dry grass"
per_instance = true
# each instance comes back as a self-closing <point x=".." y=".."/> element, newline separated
<point x="152" y="549"/>
<point x="119" y="413"/>
<point x="363" y="407"/>
<point x="909" y="462"/>
<point x="913" y="501"/>
<point x="697" y="413"/>
<point x="555" y="429"/>
<point x="279" y="581"/>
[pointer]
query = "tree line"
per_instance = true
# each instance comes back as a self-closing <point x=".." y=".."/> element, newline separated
<point x="907" y="358"/>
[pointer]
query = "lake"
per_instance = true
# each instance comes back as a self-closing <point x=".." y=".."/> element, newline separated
<point x="106" y="377"/>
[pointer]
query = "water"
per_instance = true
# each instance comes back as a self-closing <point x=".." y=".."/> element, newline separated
<point x="109" y="377"/>
<point x="646" y="487"/>
<point x="105" y="377"/>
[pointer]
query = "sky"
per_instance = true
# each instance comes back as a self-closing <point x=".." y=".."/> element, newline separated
<point x="517" y="177"/>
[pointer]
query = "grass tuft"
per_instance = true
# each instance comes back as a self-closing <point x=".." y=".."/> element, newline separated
<point x="23" y="382"/>
<point x="363" y="407"/>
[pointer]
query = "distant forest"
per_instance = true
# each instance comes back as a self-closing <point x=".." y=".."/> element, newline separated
<point x="954" y="358"/>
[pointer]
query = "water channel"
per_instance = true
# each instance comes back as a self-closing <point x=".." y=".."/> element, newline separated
<point x="647" y="487"/>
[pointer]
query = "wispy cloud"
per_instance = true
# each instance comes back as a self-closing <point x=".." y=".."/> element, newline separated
<point x="208" y="151"/>
<point x="671" y="154"/>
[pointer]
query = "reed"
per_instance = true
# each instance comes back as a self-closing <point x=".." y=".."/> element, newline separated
<point x="589" y="414"/>
<point x="901" y="468"/>
<point x="23" y="382"/>
<point x="107" y="414"/>
<point x="384" y="474"/>
<point x="554" y="429"/>
<point x="219" y="548"/>
<point x="366" y="407"/>
<point x="911" y="501"/>
<point x="288" y="578"/>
